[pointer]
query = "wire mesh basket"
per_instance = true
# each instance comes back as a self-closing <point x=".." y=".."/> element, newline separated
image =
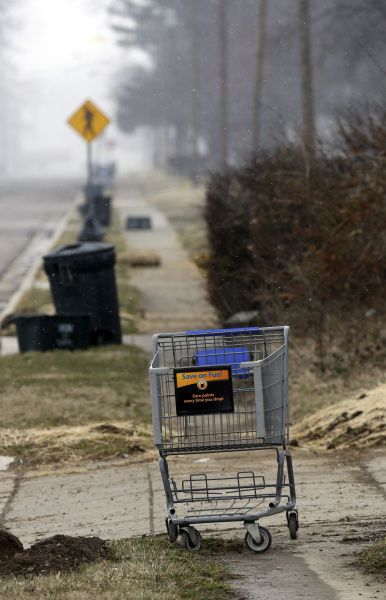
<point x="256" y="361"/>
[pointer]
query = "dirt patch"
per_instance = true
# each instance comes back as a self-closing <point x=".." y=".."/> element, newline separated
<point x="57" y="554"/>
<point x="140" y="258"/>
<point x="113" y="429"/>
<point x="360" y="421"/>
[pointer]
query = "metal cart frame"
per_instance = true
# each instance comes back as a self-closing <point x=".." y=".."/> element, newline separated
<point x="257" y="361"/>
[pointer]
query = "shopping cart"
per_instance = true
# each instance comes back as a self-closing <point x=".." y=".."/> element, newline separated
<point x="223" y="390"/>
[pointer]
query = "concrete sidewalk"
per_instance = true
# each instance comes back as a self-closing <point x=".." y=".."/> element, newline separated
<point x="173" y="296"/>
<point x="341" y="499"/>
<point x="117" y="499"/>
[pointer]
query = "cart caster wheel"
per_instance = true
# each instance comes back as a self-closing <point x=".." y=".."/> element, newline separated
<point x="293" y="524"/>
<point x="191" y="539"/>
<point x="172" y="530"/>
<point x="263" y="545"/>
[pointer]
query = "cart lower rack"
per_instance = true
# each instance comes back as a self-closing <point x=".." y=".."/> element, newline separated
<point x="223" y="390"/>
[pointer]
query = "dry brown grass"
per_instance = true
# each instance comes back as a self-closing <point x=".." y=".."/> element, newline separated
<point x="74" y="388"/>
<point x="357" y="422"/>
<point x="311" y="390"/>
<point x="72" y="445"/>
<point x="52" y="402"/>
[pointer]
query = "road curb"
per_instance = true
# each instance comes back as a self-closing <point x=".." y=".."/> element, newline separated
<point x="42" y="243"/>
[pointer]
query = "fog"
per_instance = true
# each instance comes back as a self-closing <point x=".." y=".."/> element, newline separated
<point x="179" y="84"/>
<point x="58" y="54"/>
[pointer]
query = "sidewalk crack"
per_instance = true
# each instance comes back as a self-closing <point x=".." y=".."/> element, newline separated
<point x="8" y="504"/>
<point x="151" y="503"/>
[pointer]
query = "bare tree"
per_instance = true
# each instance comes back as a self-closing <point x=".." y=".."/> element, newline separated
<point x="308" y="125"/>
<point x="184" y="48"/>
<point x="224" y="84"/>
<point x="259" y="74"/>
<point x="195" y="85"/>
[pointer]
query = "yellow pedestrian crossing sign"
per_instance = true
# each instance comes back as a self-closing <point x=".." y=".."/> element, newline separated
<point x="89" y="121"/>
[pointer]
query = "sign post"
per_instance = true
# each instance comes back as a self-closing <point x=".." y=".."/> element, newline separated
<point x="89" y="121"/>
<point x="89" y="163"/>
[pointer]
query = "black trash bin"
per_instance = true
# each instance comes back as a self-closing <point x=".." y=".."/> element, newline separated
<point x="41" y="333"/>
<point x="91" y="230"/>
<point x="82" y="280"/>
<point x="102" y="206"/>
<point x="98" y="203"/>
<point x="91" y="190"/>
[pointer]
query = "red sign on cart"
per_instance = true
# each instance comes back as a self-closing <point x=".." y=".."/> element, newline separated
<point x="203" y="391"/>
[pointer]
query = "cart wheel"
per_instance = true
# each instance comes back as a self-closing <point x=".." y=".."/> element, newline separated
<point x="263" y="545"/>
<point x="191" y="539"/>
<point x="172" y="530"/>
<point x="293" y="525"/>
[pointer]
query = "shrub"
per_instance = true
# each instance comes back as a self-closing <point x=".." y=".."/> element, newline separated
<point x="304" y="246"/>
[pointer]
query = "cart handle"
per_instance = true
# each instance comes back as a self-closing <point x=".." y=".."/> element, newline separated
<point x="159" y="370"/>
<point x="231" y="331"/>
<point x="252" y="363"/>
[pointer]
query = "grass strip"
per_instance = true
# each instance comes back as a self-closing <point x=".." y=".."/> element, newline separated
<point x="138" y="569"/>
<point x="60" y="406"/>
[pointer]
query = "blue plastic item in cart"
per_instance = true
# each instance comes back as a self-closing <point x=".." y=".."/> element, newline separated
<point x="224" y="356"/>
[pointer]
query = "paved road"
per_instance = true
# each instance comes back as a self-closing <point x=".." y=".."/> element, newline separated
<point x="28" y="208"/>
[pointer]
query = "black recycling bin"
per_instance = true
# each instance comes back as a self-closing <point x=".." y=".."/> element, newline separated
<point x="82" y="280"/>
<point x="41" y="333"/>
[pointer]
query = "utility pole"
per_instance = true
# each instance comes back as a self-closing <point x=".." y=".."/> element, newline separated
<point x="259" y="74"/>
<point x="224" y="92"/>
<point x="195" y="85"/>
<point x="308" y="125"/>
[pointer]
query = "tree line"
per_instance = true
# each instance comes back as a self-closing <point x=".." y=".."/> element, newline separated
<point x="227" y="78"/>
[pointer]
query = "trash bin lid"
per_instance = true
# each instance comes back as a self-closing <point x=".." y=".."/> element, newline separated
<point x="19" y="317"/>
<point x="82" y="255"/>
